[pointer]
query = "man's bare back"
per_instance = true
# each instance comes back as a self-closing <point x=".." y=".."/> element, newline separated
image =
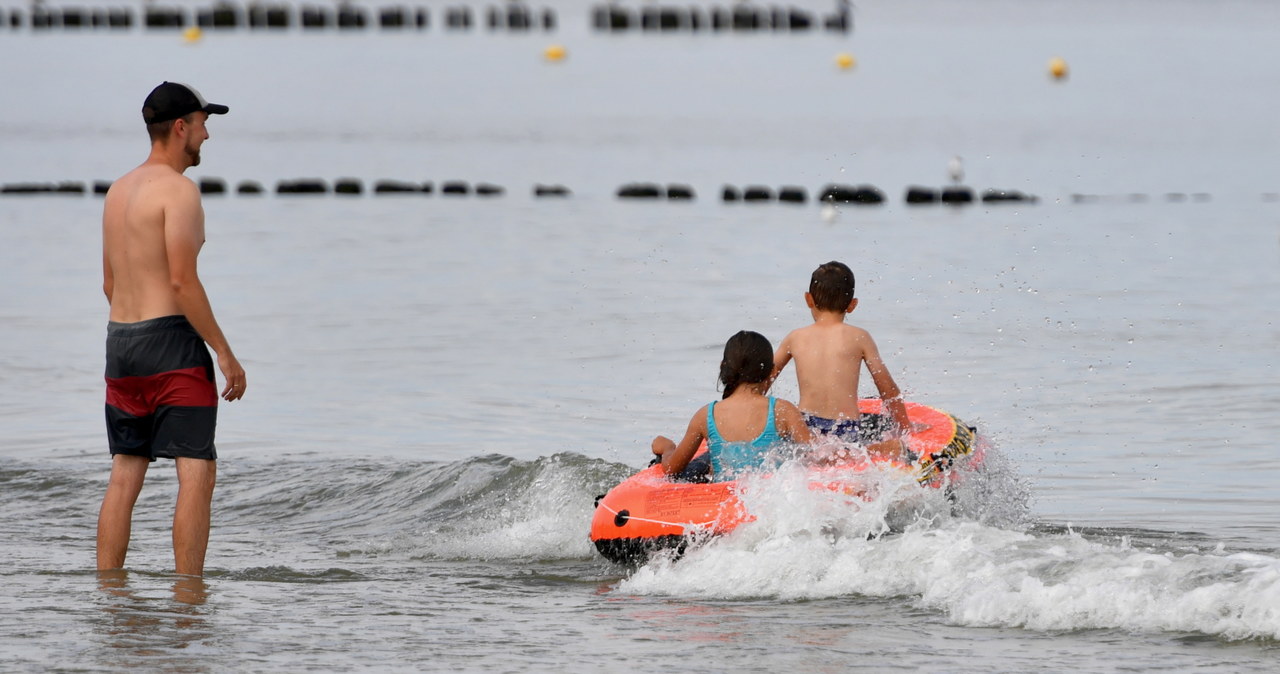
<point x="136" y="263"/>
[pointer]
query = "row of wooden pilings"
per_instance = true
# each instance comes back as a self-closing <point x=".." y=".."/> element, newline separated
<point x="741" y="17"/>
<point x="956" y="195"/>
<point x="278" y="16"/>
<point x="515" y="16"/>
<point x="793" y="194"/>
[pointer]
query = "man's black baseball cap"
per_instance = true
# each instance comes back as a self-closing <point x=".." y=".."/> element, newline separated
<point x="172" y="100"/>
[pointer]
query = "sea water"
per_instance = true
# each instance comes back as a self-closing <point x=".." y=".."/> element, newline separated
<point x="439" y="387"/>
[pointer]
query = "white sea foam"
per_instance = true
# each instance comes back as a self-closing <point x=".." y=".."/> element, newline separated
<point x="811" y="544"/>
<point x="540" y="511"/>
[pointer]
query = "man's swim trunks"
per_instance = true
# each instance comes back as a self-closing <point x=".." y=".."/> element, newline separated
<point x="844" y="429"/>
<point x="162" y="400"/>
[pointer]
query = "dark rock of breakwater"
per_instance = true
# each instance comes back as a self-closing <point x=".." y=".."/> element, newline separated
<point x="66" y="187"/>
<point x="348" y="186"/>
<point x="455" y="188"/>
<point x="518" y="17"/>
<point x="678" y="192"/>
<point x="993" y="195"/>
<point x="541" y="190"/>
<point x="920" y="195"/>
<point x="956" y="195"/>
<point x="744" y="17"/>
<point x="401" y="187"/>
<point x="249" y="187"/>
<point x="164" y="17"/>
<point x="213" y="186"/>
<point x="304" y="186"/>
<point x="789" y="194"/>
<point x="672" y="192"/>
<point x="851" y="194"/>
<point x="267" y="16"/>
<point x="220" y="17"/>
<point x="641" y="191"/>
<point x="792" y="194"/>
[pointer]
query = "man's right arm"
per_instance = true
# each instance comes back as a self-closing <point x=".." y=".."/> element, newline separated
<point x="184" y="236"/>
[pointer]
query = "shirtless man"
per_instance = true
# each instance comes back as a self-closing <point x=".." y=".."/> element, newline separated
<point x="161" y="394"/>
<point x="829" y="357"/>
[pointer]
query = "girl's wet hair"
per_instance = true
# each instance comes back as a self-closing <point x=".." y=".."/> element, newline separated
<point x="748" y="359"/>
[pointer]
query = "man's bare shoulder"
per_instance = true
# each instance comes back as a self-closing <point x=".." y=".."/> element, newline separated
<point x="153" y="180"/>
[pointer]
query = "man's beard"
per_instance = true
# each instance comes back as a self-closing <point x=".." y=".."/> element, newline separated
<point x="194" y="156"/>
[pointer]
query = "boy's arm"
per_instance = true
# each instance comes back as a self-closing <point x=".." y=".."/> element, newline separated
<point x="888" y="388"/>
<point x="780" y="359"/>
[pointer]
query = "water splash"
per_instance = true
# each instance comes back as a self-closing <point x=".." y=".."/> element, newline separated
<point x="971" y="558"/>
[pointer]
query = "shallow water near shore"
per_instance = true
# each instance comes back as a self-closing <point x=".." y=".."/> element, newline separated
<point x="439" y="387"/>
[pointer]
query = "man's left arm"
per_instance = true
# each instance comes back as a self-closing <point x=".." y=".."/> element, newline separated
<point x="184" y="236"/>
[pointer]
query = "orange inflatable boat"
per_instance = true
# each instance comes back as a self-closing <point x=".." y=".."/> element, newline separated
<point x="649" y="511"/>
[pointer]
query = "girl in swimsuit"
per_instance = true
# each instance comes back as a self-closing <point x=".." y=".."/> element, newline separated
<point x="742" y="427"/>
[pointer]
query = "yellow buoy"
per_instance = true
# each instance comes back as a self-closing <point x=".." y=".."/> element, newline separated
<point x="1058" y="68"/>
<point x="192" y="35"/>
<point x="555" y="53"/>
<point x="845" y="61"/>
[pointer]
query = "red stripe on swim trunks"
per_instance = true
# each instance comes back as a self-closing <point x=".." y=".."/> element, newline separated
<point x="140" y="396"/>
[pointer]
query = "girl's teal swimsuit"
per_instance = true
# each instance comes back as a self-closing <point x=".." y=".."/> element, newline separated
<point x="730" y="459"/>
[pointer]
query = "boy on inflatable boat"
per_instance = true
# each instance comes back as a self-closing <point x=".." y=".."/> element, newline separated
<point x="829" y="356"/>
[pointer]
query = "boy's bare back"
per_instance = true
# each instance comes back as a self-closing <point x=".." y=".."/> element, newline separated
<point x="829" y="356"/>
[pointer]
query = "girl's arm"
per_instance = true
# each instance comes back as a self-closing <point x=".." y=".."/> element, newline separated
<point x="676" y="457"/>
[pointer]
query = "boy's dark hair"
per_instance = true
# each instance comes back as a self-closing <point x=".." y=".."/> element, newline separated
<point x="831" y="287"/>
<point x="748" y="358"/>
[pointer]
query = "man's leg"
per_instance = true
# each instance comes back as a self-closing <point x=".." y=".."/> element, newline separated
<point x="115" y="519"/>
<point x="196" y="479"/>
